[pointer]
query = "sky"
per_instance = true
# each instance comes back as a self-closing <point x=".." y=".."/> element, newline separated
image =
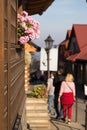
<point x="60" y="17"/>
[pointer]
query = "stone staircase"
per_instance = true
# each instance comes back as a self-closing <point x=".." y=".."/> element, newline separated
<point x="37" y="113"/>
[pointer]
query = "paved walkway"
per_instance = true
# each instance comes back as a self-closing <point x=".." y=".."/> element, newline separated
<point x="75" y="125"/>
<point x="55" y="125"/>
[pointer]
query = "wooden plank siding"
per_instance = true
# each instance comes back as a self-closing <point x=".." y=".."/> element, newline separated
<point x="11" y="66"/>
<point x="1" y="65"/>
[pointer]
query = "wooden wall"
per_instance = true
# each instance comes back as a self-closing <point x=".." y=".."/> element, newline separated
<point x="12" y="92"/>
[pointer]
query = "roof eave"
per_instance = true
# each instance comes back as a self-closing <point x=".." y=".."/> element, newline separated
<point x="36" y="6"/>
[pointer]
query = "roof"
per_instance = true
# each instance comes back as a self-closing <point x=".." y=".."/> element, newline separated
<point x="36" y="6"/>
<point x="66" y="41"/>
<point x="31" y="47"/>
<point x="80" y="31"/>
<point x="79" y="56"/>
<point x="68" y="34"/>
<point x="81" y="34"/>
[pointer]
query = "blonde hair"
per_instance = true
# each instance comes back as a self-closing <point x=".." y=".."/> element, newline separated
<point x="69" y="78"/>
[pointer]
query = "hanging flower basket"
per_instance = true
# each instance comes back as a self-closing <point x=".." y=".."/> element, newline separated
<point x="28" y="28"/>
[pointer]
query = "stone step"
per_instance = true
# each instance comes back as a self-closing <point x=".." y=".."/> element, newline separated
<point x="37" y="116"/>
<point x="39" y="123"/>
<point x="32" y="124"/>
<point x="38" y="120"/>
<point x="37" y="113"/>
<point x="34" y="100"/>
<point x="36" y="108"/>
<point x="34" y="112"/>
<point x="40" y="126"/>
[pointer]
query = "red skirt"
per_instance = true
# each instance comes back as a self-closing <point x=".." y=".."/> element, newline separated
<point x="67" y="98"/>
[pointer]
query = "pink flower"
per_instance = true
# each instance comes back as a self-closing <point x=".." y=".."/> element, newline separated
<point x="28" y="19"/>
<point x="28" y="28"/>
<point x="24" y="13"/>
<point x="24" y="25"/>
<point x="20" y="18"/>
<point x="24" y="39"/>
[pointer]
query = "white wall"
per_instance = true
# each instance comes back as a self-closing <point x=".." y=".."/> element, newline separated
<point x="53" y="59"/>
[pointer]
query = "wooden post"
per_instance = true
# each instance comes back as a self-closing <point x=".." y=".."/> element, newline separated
<point x="86" y="118"/>
<point x="76" y="110"/>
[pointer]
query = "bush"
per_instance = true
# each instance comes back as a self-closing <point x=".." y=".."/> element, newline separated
<point x="39" y="91"/>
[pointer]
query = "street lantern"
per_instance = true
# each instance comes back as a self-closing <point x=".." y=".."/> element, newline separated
<point x="49" y="43"/>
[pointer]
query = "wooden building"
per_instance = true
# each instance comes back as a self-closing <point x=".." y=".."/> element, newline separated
<point x="78" y="48"/>
<point x="12" y="93"/>
<point x="29" y="48"/>
<point x="73" y="54"/>
<point x="63" y="52"/>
